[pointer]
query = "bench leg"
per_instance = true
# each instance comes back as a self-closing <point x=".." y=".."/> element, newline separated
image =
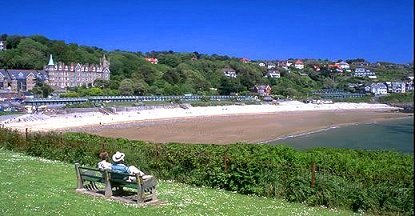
<point x="153" y="194"/>
<point x="140" y="194"/>
<point x="108" y="188"/>
<point x="79" y="181"/>
<point x="140" y="191"/>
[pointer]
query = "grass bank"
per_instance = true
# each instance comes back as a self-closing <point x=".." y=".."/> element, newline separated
<point x="36" y="186"/>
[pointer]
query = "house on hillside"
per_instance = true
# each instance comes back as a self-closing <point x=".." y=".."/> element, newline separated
<point x="368" y="88"/>
<point x="244" y="60"/>
<point x="4" y="82"/>
<point x="273" y="74"/>
<point x="20" y="80"/>
<point x="336" y="68"/>
<point x="363" y="72"/>
<point x="262" y="64"/>
<point x="396" y="87"/>
<point x="299" y="64"/>
<point x="2" y="45"/>
<point x="271" y="65"/>
<point x="263" y="90"/>
<point x="229" y="72"/>
<point x="410" y="83"/>
<point x="152" y="60"/>
<point x="282" y="64"/>
<point x="316" y="68"/>
<point x="343" y="65"/>
<point x="360" y="64"/>
<point x="379" y="89"/>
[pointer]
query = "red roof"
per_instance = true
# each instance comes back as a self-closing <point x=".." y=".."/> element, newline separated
<point x="152" y="60"/>
<point x="299" y="62"/>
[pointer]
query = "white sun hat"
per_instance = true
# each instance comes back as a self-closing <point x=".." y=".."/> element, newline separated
<point x="118" y="156"/>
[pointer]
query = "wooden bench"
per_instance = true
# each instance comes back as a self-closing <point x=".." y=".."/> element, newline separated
<point x="88" y="177"/>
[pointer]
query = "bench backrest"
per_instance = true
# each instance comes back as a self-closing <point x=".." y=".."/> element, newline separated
<point x="91" y="174"/>
<point x="97" y="175"/>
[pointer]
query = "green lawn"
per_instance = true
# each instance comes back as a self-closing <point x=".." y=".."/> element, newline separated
<point x="35" y="186"/>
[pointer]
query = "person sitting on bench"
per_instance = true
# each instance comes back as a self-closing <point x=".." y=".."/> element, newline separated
<point x="119" y="167"/>
<point x="104" y="164"/>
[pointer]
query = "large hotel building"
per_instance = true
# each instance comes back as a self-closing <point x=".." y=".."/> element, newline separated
<point x="59" y="76"/>
<point x="72" y="75"/>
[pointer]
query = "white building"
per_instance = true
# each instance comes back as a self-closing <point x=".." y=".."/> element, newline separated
<point x="379" y="89"/>
<point x="299" y="64"/>
<point x="343" y="65"/>
<point x="363" y="72"/>
<point x="271" y="65"/>
<point x="2" y="45"/>
<point x="273" y="74"/>
<point x="410" y="84"/>
<point x="229" y="72"/>
<point x="262" y="64"/>
<point x="397" y="87"/>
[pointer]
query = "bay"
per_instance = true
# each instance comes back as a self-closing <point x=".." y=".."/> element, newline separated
<point x="395" y="135"/>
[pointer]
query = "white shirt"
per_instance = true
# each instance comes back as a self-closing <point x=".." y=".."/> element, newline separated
<point x="104" y="165"/>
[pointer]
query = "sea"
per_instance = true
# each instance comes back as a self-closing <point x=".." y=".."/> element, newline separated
<point x="393" y="135"/>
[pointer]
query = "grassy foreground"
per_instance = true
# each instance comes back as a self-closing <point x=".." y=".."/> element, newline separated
<point x="35" y="186"/>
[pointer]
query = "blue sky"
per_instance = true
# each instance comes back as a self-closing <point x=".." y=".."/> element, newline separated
<point x="376" y="30"/>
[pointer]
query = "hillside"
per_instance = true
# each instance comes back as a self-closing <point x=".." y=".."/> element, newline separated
<point x="179" y="73"/>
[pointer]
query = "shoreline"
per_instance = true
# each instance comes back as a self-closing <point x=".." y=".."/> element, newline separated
<point x="214" y="125"/>
<point x="93" y="119"/>
<point x="231" y="129"/>
<point x="336" y="126"/>
<point x="148" y="122"/>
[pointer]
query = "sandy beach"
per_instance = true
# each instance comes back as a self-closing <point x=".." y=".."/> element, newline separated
<point x="245" y="128"/>
<point x="217" y="125"/>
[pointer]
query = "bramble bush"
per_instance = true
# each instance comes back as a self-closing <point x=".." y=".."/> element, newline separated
<point x="380" y="182"/>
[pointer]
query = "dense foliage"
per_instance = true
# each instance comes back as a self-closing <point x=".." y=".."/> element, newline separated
<point x="178" y="73"/>
<point x="398" y="98"/>
<point x="375" y="181"/>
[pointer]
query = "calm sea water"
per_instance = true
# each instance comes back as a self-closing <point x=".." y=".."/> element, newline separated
<point x="395" y="135"/>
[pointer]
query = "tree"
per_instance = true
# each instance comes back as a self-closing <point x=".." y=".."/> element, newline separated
<point x="228" y="86"/>
<point x="140" y="87"/>
<point x="174" y="76"/>
<point x="43" y="89"/>
<point x="69" y="94"/>
<point x="32" y="54"/>
<point x="172" y="90"/>
<point x="170" y="60"/>
<point x="12" y="41"/>
<point x="46" y="90"/>
<point x="94" y="91"/>
<point x="148" y="73"/>
<point x="101" y="83"/>
<point x="197" y="55"/>
<point x="126" y="87"/>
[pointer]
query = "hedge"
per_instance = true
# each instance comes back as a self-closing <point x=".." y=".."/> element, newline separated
<point x="379" y="182"/>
